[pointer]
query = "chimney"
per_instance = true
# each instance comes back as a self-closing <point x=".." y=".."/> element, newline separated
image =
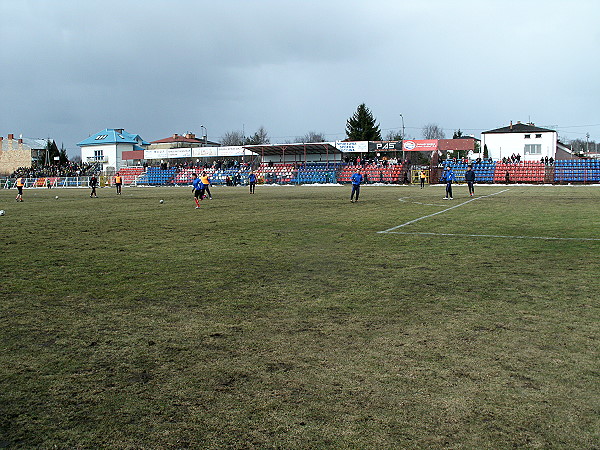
<point x="518" y="121"/>
<point x="175" y="136"/>
<point x="511" y="125"/>
<point x="20" y="141"/>
<point x="11" y="137"/>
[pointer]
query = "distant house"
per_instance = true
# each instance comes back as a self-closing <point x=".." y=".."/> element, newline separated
<point x="530" y="142"/>
<point x="187" y="140"/>
<point x="107" y="146"/>
<point x="175" y="147"/>
<point x="21" y="152"/>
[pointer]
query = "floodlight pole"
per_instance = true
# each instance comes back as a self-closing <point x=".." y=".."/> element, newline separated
<point x="205" y="134"/>
<point x="402" y="117"/>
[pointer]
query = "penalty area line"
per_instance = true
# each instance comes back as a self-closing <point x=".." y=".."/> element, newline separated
<point x="543" y="238"/>
<point x="389" y="230"/>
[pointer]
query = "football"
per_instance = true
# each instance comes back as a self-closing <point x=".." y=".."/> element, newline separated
<point x="2" y="212"/>
<point x="56" y="197"/>
<point x="162" y="201"/>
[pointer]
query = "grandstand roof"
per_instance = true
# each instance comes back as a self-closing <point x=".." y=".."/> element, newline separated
<point x="294" y="149"/>
<point x="112" y="136"/>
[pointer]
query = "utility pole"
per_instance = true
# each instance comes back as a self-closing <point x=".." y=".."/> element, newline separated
<point x="205" y="134"/>
<point x="587" y="143"/>
<point x="402" y="117"/>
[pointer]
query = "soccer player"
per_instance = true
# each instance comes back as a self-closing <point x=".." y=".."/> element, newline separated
<point x="197" y="189"/>
<point x="93" y="185"/>
<point x="252" y="182"/>
<point x="205" y="184"/>
<point x="422" y="177"/>
<point x="356" y="179"/>
<point x="118" y="183"/>
<point x="20" y="183"/>
<point x="448" y="177"/>
<point x="470" y="179"/>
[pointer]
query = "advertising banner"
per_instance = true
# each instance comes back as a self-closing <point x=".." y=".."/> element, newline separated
<point x="179" y="152"/>
<point x="352" y="147"/>
<point x="236" y="150"/>
<point x="385" y="146"/>
<point x="156" y="154"/>
<point x="199" y="152"/>
<point x="426" y="145"/>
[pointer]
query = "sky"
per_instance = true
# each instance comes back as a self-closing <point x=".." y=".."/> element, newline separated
<point x="159" y="67"/>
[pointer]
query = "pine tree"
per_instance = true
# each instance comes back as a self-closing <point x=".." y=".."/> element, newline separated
<point x="362" y="125"/>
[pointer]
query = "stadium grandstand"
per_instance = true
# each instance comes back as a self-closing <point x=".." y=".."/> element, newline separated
<point x="314" y="163"/>
<point x="486" y="172"/>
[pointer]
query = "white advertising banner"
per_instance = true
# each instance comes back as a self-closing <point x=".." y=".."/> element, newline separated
<point x="236" y="150"/>
<point x="179" y="152"/>
<point x="200" y="152"/>
<point x="352" y="147"/>
<point x="226" y="151"/>
<point x="156" y="154"/>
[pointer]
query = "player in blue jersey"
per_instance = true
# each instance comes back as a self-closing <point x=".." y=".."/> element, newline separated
<point x="198" y="189"/>
<point x="356" y="179"/>
<point x="448" y="177"/>
<point x="470" y="179"/>
<point x="252" y="182"/>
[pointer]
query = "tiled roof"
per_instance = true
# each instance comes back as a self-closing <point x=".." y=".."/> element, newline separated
<point x="179" y="138"/>
<point x="113" y="136"/>
<point x="519" y="128"/>
<point x="31" y="143"/>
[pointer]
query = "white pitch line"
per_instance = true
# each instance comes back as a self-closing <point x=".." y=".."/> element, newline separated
<point x="402" y="199"/>
<point x="439" y="212"/>
<point x="493" y="236"/>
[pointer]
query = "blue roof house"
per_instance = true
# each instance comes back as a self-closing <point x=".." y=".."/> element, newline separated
<point x="107" y="146"/>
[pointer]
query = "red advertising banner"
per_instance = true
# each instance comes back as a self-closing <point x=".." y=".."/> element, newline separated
<point x="415" y="145"/>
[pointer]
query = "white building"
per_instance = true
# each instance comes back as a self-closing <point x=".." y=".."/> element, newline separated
<point x="107" y="146"/>
<point x="530" y="142"/>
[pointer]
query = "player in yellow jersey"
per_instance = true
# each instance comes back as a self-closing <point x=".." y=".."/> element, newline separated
<point x="205" y="184"/>
<point x="20" y="183"/>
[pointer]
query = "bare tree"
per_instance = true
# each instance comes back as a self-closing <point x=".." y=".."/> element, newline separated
<point x="393" y="136"/>
<point x="233" y="138"/>
<point x="433" y="131"/>
<point x="260" y="137"/>
<point x="311" y="136"/>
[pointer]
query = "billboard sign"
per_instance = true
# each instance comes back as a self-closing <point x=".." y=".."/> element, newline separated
<point x="179" y="152"/>
<point x="156" y="154"/>
<point x="424" y="145"/>
<point x="352" y="147"/>
<point x="385" y="146"/>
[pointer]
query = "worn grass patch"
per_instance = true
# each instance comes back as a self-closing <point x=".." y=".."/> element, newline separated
<point x="283" y="319"/>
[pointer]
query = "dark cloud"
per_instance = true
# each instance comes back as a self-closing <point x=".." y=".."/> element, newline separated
<point x="159" y="67"/>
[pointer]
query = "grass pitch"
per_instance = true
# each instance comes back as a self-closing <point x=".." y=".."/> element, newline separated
<point x="285" y="319"/>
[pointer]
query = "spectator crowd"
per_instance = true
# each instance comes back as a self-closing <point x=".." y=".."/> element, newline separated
<point x="69" y="169"/>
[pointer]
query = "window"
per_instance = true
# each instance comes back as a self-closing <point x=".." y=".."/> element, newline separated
<point x="533" y="149"/>
<point x="537" y="136"/>
<point x="98" y="155"/>
<point x="527" y="136"/>
<point x="101" y="136"/>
